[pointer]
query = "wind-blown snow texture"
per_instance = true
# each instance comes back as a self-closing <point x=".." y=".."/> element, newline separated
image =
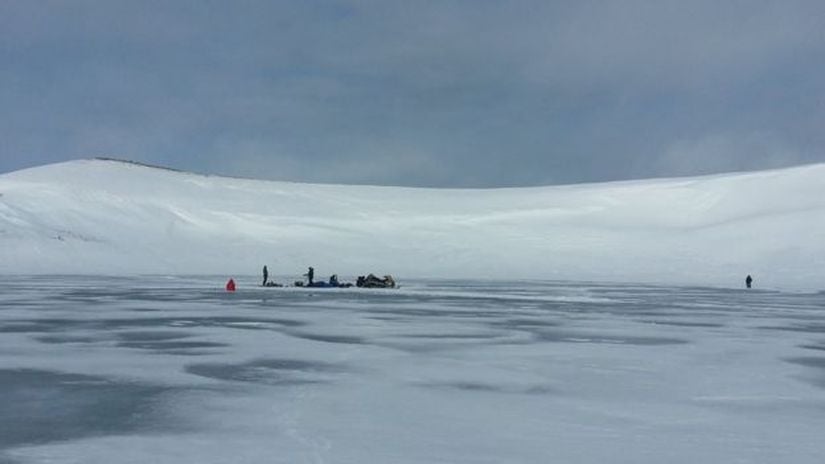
<point x="109" y="217"/>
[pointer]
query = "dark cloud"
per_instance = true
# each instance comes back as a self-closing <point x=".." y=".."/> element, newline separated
<point x="447" y="93"/>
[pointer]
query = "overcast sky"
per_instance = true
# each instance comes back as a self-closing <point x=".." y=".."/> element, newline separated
<point x="462" y="93"/>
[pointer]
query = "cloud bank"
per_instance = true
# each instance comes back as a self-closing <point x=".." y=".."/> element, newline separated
<point x="448" y="93"/>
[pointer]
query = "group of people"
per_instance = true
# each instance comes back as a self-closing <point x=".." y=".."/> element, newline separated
<point x="369" y="281"/>
<point x="310" y="275"/>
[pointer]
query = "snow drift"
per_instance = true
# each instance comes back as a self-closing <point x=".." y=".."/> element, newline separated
<point x="111" y="217"/>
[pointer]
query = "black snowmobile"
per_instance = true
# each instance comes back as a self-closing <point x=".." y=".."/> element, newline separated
<point x="371" y="281"/>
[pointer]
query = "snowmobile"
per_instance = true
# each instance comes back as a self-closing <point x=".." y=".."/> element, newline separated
<point x="371" y="281"/>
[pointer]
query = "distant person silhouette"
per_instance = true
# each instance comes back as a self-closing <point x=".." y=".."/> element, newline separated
<point x="310" y="274"/>
<point x="748" y="281"/>
<point x="266" y="276"/>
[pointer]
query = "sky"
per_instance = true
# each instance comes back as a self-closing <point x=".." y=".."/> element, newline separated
<point x="450" y="93"/>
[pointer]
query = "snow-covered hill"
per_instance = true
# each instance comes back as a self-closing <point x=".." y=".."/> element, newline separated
<point x="111" y="217"/>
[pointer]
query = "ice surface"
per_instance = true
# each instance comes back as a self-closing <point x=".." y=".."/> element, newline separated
<point x="114" y="218"/>
<point x="173" y="369"/>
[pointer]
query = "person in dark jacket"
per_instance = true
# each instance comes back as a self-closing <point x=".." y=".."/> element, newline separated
<point x="266" y="276"/>
<point x="748" y="281"/>
<point x="310" y="274"/>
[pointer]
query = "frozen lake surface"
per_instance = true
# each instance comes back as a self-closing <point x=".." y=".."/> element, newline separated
<point x="171" y="370"/>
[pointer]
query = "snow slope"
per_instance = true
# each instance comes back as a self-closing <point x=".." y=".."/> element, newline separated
<point x="111" y="217"/>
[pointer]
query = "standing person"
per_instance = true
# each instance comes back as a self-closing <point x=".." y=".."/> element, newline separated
<point x="310" y="274"/>
<point x="266" y="276"/>
<point x="748" y="281"/>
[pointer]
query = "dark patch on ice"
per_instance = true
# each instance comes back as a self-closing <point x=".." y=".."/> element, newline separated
<point x="344" y="339"/>
<point x="439" y="312"/>
<point x="814" y="347"/>
<point x="709" y="325"/>
<point x="138" y="339"/>
<point x="813" y="362"/>
<point x="269" y="371"/>
<point x="433" y="346"/>
<point x="40" y="406"/>
<point x="245" y="323"/>
<point x="523" y="324"/>
<point x="390" y="318"/>
<point x="540" y="390"/>
<point x="468" y="386"/>
<point x="177" y="347"/>
<point x="64" y="325"/>
<point x="169" y="342"/>
<point x="27" y="327"/>
<point x="57" y="339"/>
<point x="808" y="361"/>
<point x="471" y="386"/>
<point x="152" y="335"/>
<point x="806" y="328"/>
<point x="122" y="292"/>
<point x="572" y="337"/>
<point x="455" y="336"/>
<point x="643" y="313"/>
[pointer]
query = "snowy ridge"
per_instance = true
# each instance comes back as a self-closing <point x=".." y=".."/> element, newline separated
<point x="109" y="217"/>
